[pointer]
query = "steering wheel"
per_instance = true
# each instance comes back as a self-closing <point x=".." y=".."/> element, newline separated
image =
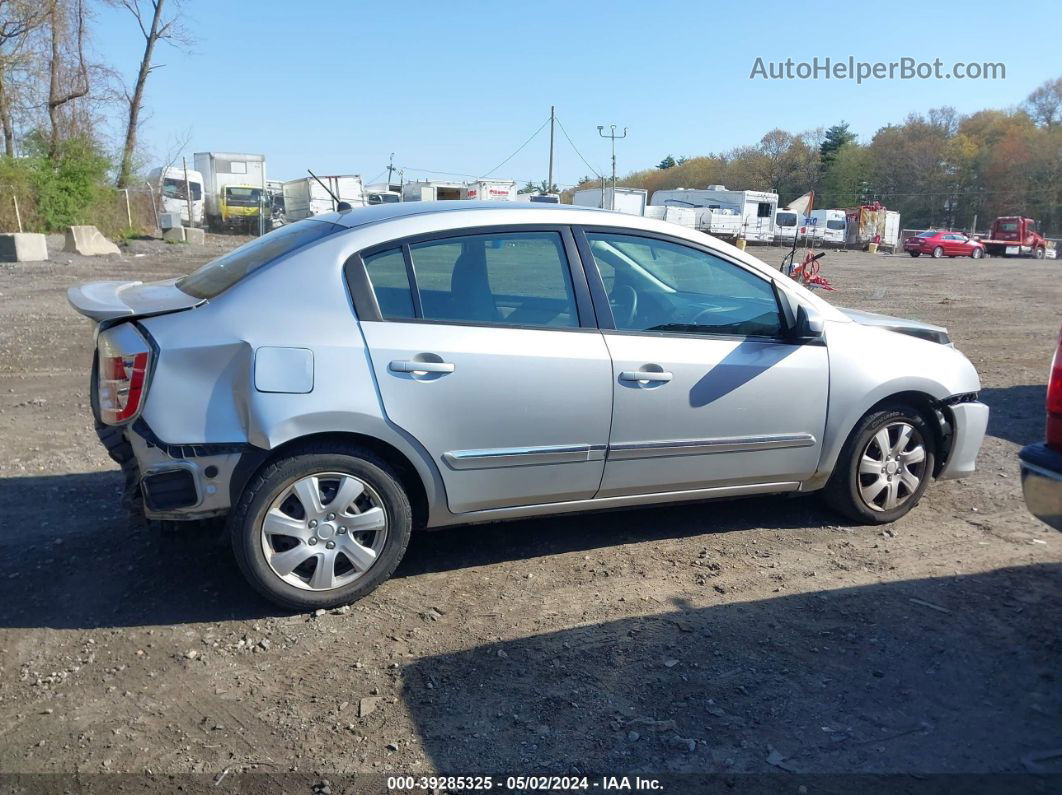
<point x="624" y="305"/>
<point x="711" y="310"/>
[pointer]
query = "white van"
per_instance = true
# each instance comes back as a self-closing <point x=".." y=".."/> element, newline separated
<point x="828" y="227"/>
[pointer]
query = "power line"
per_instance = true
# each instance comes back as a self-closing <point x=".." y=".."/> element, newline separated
<point x="570" y="141"/>
<point x="519" y="149"/>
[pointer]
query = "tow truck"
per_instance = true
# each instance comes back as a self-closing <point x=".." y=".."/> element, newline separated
<point x="1015" y="236"/>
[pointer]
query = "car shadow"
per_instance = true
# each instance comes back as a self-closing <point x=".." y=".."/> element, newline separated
<point x="1017" y="412"/>
<point x="73" y="558"/>
<point x="956" y="674"/>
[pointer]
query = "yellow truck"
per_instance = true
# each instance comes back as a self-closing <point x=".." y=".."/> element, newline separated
<point x="234" y="191"/>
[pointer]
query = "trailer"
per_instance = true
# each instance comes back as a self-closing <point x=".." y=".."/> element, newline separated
<point x="754" y="209"/>
<point x="234" y="189"/>
<point x="632" y="201"/>
<point x="383" y="193"/>
<point x="173" y="185"/>
<point x="872" y="223"/>
<point x="491" y="190"/>
<point x="306" y="196"/>
<point x="430" y="190"/>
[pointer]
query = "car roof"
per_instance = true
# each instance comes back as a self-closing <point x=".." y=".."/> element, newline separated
<point x="379" y="213"/>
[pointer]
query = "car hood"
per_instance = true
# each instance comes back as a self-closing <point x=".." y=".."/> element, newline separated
<point x="103" y="301"/>
<point x="914" y="328"/>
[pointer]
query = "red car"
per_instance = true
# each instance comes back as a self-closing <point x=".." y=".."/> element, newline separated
<point x="943" y="244"/>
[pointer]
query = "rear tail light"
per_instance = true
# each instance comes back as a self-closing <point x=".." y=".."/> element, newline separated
<point x="124" y="363"/>
<point x="1054" y="400"/>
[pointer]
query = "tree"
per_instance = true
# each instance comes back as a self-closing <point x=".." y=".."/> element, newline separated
<point x="68" y="77"/>
<point x="157" y="30"/>
<point x="666" y="163"/>
<point x="18" y="19"/>
<point x="541" y="187"/>
<point x="1044" y="104"/>
<point x="835" y="137"/>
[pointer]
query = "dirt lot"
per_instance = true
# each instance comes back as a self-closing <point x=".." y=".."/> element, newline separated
<point x="751" y="636"/>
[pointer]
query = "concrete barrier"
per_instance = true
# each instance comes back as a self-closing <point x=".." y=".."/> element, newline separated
<point x="87" y="241"/>
<point x="23" y="247"/>
<point x="184" y="234"/>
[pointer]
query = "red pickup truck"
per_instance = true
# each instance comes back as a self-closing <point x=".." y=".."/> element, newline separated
<point x="1015" y="236"/>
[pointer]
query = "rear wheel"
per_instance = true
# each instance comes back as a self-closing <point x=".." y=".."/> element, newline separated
<point x="884" y="467"/>
<point x="938" y="252"/>
<point x="320" y="528"/>
<point x="915" y="253"/>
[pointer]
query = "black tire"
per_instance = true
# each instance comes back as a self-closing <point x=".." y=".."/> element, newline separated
<point x="273" y="479"/>
<point x="842" y="492"/>
<point x="977" y="253"/>
<point x="938" y="252"/>
<point x="915" y="253"/>
<point x="1038" y="253"/>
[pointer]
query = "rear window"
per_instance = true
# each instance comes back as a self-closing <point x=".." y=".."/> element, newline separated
<point x="787" y="219"/>
<point x="927" y="233"/>
<point x="219" y="275"/>
<point x="835" y="223"/>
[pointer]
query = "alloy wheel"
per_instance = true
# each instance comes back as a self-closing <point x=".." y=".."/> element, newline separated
<point x="892" y="466"/>
<point x="324" y="531"/>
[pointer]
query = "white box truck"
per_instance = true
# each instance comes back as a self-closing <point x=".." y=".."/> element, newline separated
<point x="625" y="200"/>
<point x="755" y="210"/>
<point x="306" y="196"/>
<point x="429" y="190"/>
<point x="172" y="185"/>
<point x="234" y="187"/>
<point x="491" y="190"/>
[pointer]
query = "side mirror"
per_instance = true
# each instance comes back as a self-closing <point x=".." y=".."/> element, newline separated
<point x="809" y="324"/>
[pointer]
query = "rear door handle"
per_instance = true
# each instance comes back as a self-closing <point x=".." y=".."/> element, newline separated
<point x="408" y="366"/>
<point x="644" y="375"/>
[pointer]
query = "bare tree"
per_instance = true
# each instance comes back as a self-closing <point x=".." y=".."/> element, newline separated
<point x="68" y="75"/>
<point x="1044" y="104"/>
<point x="154" y="31"/>
<point x="18" y="19"/>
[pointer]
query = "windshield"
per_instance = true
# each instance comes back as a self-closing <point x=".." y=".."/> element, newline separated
<point x="220" y="274"/>
<point x="243" y="197"/>
<point x="174" y="189"/>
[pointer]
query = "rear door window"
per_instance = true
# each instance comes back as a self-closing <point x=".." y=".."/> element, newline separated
<point x="505" y="279"/>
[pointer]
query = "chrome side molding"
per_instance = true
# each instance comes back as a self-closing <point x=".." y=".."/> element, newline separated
<point x="524" y="456"/>
<point x="579" y="453"/>
<point x="732" y="444"/>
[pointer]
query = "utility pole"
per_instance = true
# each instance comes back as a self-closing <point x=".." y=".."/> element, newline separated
<point x="549" y="178"/>
<point x="390" y="168"/>
<point x="613" y="136"/>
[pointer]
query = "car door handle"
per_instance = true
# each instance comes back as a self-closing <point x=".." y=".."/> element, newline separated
<point x="644" y="375"/>
<point x="420" y="367"/>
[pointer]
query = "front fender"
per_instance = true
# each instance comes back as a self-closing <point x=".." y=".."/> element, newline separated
<point x="869" y="365"/>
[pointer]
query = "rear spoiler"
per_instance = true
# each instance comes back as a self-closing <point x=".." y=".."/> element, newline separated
<point x="102" y="301"/>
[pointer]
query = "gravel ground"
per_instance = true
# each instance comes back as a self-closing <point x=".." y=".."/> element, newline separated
<point x="763" y="635"/>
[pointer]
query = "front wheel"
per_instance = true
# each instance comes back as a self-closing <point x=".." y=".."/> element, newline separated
<point x="938" y="252"/>
<point x="321" y="528"/>
<point x="977" y="253"/>
<point x="884" y="467"/>
<point x="1038" y="253"/>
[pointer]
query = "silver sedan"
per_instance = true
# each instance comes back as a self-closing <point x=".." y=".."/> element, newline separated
<point x="346" y="379"/>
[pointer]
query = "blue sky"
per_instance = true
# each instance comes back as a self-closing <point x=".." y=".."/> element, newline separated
<point x="458" y="86"/>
